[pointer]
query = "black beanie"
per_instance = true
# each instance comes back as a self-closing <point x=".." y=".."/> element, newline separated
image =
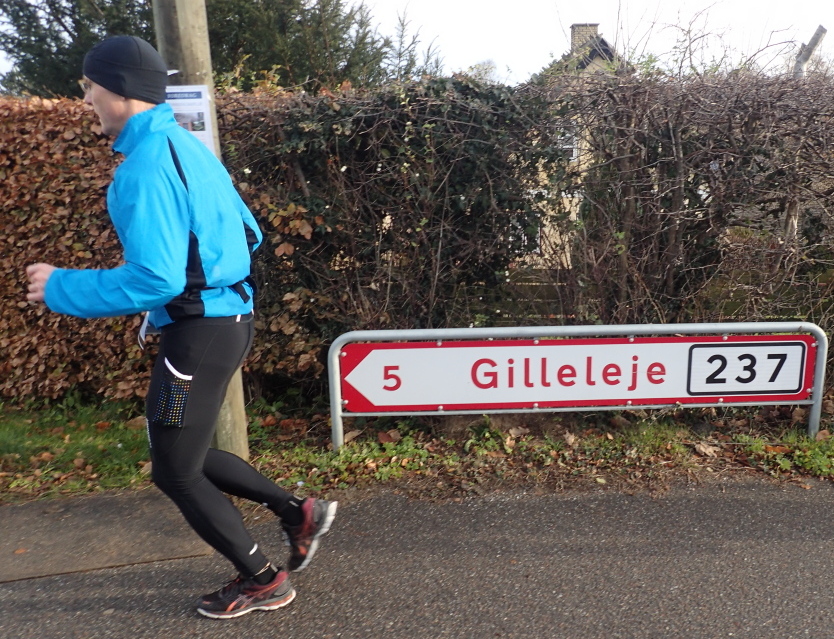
<point x="128" y="66"/>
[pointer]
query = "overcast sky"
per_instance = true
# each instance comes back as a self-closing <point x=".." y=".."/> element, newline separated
<point x="523" y="36"/>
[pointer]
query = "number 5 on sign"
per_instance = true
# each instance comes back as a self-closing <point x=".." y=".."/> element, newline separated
<point x="746" y="368"/>
<point x="392" y="379"/>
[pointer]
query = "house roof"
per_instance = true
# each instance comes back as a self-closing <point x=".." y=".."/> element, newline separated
<point x="594" y="50"/>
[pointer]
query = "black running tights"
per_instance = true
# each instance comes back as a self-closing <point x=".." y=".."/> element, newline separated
<point x="197" y="358"/>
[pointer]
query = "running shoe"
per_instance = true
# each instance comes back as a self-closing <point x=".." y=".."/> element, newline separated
<point x="242" y="596"/>
<point x="303" y="539"/>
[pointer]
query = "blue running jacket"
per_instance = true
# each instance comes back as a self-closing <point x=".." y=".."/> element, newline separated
<point x="186" y="233"/>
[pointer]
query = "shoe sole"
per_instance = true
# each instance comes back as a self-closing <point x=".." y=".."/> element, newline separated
<point x="329" y="516"/>
<point x="245" y="611"/>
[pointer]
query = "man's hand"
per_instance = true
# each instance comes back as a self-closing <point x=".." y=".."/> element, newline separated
<point x="38" y="275"/>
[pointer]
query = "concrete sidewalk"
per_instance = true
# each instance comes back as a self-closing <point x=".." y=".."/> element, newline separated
<point x="734" y="559"/>
<point x="47" y="538"/>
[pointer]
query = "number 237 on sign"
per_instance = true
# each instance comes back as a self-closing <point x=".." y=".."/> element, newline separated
<point x="746" y="368"/>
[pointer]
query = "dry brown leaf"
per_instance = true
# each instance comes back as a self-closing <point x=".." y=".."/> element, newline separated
<point x="618" y="421"/>
<point x="284" y="249"/>
<point x="706" y="450"/>
<point x="349" y="437"/>
<point x="823" y="435"/>
<point x="777" y="450"/>
<point x="519" y="431"/>
<point x="305" y="229"/>
<point x="136" y="423"/>
<point x="294" y="425"/>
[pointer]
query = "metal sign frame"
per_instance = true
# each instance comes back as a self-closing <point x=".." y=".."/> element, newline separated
<point x="335" y="354"/>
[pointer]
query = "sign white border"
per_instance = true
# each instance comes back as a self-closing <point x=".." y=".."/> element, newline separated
<point x="378" y="378"/>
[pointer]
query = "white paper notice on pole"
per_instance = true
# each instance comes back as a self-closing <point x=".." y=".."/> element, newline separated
<point x="564" y="373"/>
<point x="192" y="110"/>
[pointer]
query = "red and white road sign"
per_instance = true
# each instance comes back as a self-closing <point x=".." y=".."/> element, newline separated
<point x="528" y="374"/>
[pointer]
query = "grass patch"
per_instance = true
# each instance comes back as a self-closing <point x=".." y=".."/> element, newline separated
<point x="625" y="451"/>
<point x="68" y="450"/>
<point x="74" y="449"/>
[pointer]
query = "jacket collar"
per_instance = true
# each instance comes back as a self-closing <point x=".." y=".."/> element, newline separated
<point x="139" y="126"/>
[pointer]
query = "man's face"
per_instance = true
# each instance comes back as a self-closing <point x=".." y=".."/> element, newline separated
<point x="112" y="110"/>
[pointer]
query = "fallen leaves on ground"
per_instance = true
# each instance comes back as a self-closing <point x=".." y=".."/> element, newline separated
<point x="707" y="450"/>
<point x="389" y="437"/>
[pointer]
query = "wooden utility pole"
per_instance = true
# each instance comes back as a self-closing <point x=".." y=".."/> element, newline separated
<point x="806" y="51"/>
<point x="792" y="208"/>
<point x="182" y="40"/>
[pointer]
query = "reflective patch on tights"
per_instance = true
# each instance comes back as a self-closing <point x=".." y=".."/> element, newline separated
<point x="173" y="396"/>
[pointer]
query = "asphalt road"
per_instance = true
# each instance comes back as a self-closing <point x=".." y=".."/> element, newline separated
<point x="735" y="559"/>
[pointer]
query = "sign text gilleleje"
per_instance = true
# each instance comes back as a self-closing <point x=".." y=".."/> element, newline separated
<point x="564" y="373"/>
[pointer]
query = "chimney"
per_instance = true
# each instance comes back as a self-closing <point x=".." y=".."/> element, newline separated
<point x="580" y="34"/>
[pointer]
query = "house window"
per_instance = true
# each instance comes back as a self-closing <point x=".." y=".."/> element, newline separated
<point x="566" y="142"/>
